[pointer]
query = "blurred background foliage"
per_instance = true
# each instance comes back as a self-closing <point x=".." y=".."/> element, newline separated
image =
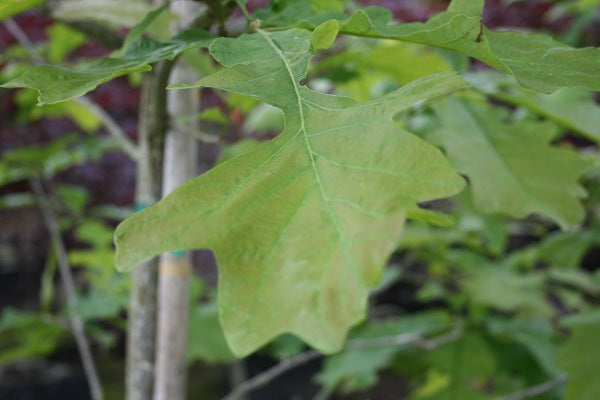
<point x="524" y="293"/>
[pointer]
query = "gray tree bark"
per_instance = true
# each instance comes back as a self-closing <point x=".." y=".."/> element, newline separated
<point x="141" y="333"/>
<point x="174" y="270"/>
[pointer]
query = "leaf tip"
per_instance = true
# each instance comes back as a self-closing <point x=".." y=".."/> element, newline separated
<point x="324" y="35"/>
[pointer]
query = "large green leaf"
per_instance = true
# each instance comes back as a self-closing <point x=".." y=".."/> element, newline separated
<point x="58" y="83"/>
<point x="512" y="167"/>
<point x="538" y="62"/>
<point x="302" y="226"/>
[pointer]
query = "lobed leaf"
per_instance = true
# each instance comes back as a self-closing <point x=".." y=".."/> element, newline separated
<point x="538" y="62"/>
<point x="302" y="226"/>
<point x="512" y="167"/>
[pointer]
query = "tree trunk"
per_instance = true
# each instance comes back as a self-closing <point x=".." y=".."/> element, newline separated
<point x="174" y="271"/>
<point x="141" y="333"/>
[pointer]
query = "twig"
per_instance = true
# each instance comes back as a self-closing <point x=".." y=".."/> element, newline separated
<point x="66" y="277"/>
<point x="199" y="135"/>
<point x="247" y="15"/>
<point x="113" y="128"/>
<point x="23" y="40"/>
<point x="267" y="376"/>
<point x="413" y="339"/>
<point x="111" y="125"/>
<point x="325" y="393"/>
<point x="535" y="390"/>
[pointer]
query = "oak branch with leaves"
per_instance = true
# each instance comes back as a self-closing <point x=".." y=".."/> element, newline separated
<point x="303" y="224"/>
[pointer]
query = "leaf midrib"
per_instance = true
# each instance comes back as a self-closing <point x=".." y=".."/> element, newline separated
<point x="305" y="135"/>
<point x="316" y="173"/>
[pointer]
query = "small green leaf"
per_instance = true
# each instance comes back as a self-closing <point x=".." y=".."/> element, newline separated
<point x="324" y="35"/>
<point x="500" y="288"/>
<point x="62" y="40"/>
<point x="356" y="369"/>
<point x="8" y="8"/>
<point x="535" y="334"/>
<point x="114" y="12"/>
<point x="263" y="119"/>
<point x="138" y="30"/>
<point x="512" y="167"/>
<point x="237" y="149"/>
<point x="314" y="213"/>
<point x="402" y="61"/>
<point x="205" y="338"/>
<point x="57" y="83"/>
<point x="472" y="8"/>
<point x="468" y="376"/>
<point x="25" y="335"/>
<point x="431" y="216"/>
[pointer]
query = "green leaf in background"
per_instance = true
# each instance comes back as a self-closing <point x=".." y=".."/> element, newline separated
<point x="503" y="289"/>
<point x="313" y="214"/>
<point x="58" y="83"/>
<point x="34" y="161"/>
<point x="493" y="228"/>
<point x="8" y="8"/>
<point x="579" y="359"/>
<point x="78" y="112"/>
<point x="114" y="12"/>
<point x="108" y="292"/>
<point x="537" y="61"/>
<point x="567" y="249"/>
<point x="574" y="109"/>
<point x="371" y="67"/>
<point x="289" y="12"/>
<point x="534" y="334"/>
<point x="577" y="280"/>
<point x="404" y="62"/>
<point x="263" y="119"/>
<point x="62" y="40"/>
<point x="26" y="335"/>
<point x="467" y="363"/>
<point x="237" y="149"/>
<point x="356" y="369"/>
<point x="73" y="197"/>
<point x="512" y="167"/>
<point x="205" y="338"/>
<point x="138" y="30"/>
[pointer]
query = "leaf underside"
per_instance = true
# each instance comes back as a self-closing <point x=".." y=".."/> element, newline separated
<point x="302" y="226"/>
